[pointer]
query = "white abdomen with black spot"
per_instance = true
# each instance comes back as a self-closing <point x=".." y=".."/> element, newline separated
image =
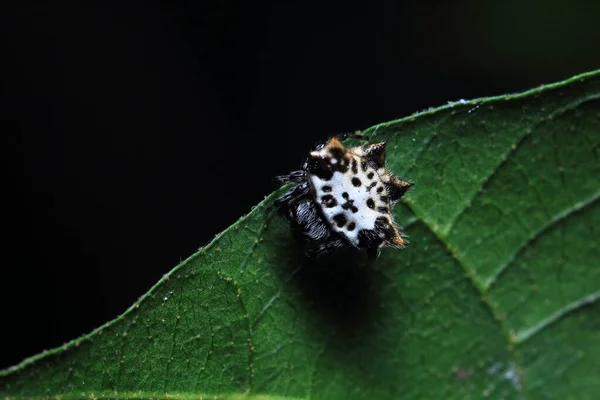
<point x="351" y="201"/>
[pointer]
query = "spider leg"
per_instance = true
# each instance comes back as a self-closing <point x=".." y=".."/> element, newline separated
<point x="309" y="222"/>
<point x="325" y="247"/>
<point x="352" y="135"/>
<point x="294" y="176"/>
<point x="306" y="221"/>
<point x="295" y="193"/>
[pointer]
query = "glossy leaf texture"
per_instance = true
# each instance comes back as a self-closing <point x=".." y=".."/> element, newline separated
<point x="496" y="295"/>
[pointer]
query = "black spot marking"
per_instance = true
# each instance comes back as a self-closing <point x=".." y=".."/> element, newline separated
<point x="382" y="225"/>
<point x="323" y="167"/>
<point x="370" y="241"/>
<point x="354" y="167"/>
<point x="364" y="165"/>
<point x="345" y="195"/>
<point x="370" y="175"/>
<point x="371" y="186"/>
<point x="395" y="191"/>
<point x="370" y="203"/>
<point x="384" y="198"/>
<point x="376" y="154"/>
<point x="340" y="220"/>
<point x="380" y="189"/>
<point x="328" y="201"/>
<point x="356" y="182"/>
<point x="351" y="226"/>
<point x="383" y="210"/>
<point x="337" y="152"/>
<point x="341" y="166"/>
<point x="349" y="204"/>
<point x="319" y="167"/>
<point x="326" y="189"/>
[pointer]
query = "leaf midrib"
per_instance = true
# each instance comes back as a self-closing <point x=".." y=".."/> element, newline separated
<point x="512" y="339"/>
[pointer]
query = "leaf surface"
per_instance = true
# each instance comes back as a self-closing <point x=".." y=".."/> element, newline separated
<point x="495" y="296"/>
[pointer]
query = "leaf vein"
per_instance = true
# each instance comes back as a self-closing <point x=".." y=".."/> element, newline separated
<point x="508" y="336"/>
<point x="588" y="202"/>
<point x="527" y="333"/>
<point x="513" y="148"/>
<point x="503" y="161"/>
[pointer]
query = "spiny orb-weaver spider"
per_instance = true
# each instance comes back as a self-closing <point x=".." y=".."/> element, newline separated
<point x="343" y="197"/>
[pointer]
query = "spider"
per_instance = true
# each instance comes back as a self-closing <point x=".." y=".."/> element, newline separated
<point x="343" y="198"/>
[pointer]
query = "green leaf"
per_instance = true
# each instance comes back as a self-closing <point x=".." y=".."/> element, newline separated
<point x="496" y="295"/>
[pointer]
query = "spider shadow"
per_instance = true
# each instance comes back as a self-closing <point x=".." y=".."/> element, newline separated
<point x="337" y="288"/>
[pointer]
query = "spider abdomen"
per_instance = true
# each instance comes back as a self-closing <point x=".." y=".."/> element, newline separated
<point x="347" y="199"/>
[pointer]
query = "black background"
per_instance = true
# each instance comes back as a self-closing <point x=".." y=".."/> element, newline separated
<point x="132" y="132"/>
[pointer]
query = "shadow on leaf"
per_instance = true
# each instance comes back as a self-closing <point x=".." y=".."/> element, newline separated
<point x="337" y="287"/>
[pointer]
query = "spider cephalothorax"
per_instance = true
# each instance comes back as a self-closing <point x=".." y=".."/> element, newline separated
<point x="343" y="198"/>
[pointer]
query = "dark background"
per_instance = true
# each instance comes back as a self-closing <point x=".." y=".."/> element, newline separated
<point x="132" y="133"/>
